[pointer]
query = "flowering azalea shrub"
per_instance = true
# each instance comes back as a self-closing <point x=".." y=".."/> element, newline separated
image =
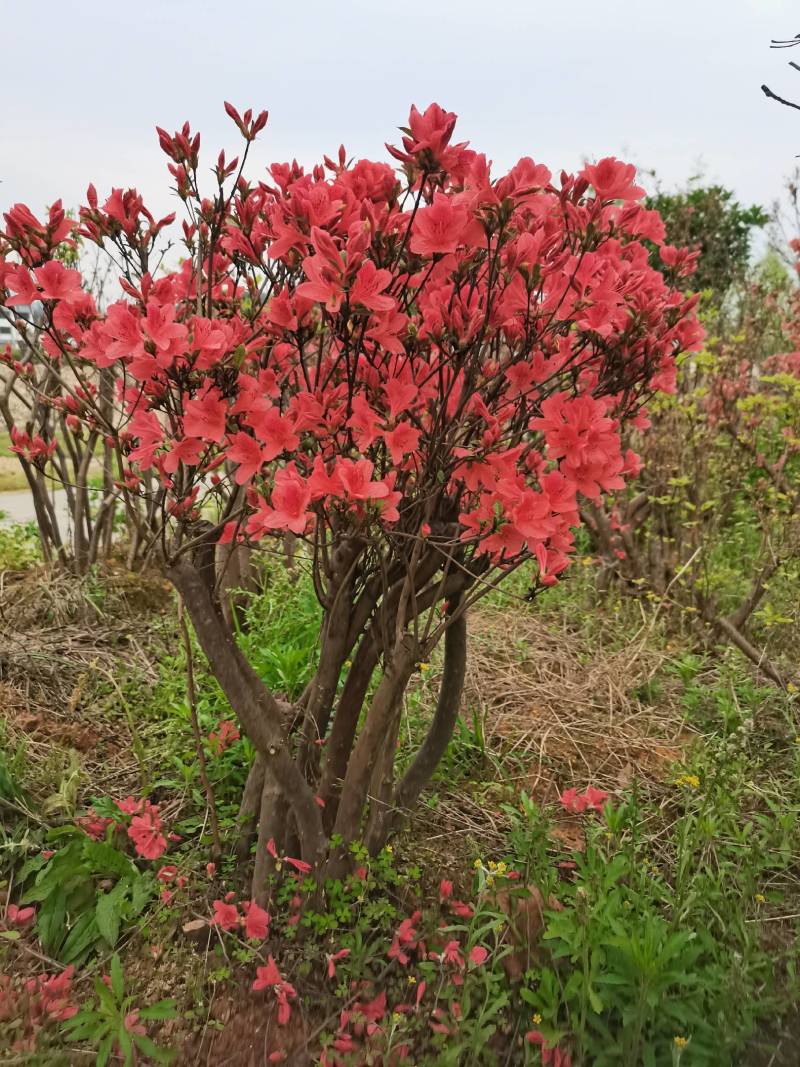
<point x="46" y="435"/>
<point x="420" y="372"/>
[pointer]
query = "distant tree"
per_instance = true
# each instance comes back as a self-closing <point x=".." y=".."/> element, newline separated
<point x="708" y="219"/>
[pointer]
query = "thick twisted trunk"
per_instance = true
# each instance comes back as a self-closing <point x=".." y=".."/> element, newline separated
<point x="378" y="723"/>
<point x="255" y="706"/>
<point x="388" y="813"/>
<point x="249" y="808"/>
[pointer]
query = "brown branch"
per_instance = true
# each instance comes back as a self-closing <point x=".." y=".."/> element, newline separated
<point x="254" y="705"/>
<point x="737" y="638"/>
<point x="738" y="618"/>
<point x="378" y="720"/>
<point x="191" y="697"/>
<point x="774" y="96"/>
<point x="433" y="747"/>
<point x="249" y="806"/>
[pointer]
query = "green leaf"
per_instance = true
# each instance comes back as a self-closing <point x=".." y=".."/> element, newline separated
<point x="51" y="924"/>
<point x="107" y="918"/>
<point x="155" y="1052"/>
<point x="107" y="1005"/>
<point x="105" y="859"/>
<point x="142" y="890"/>
<point x="117" y="980"/>
<point x="163" y="1009"/>
<point x="81" y="937"/>
<point x="125" y="1043"/>
<point x="10" y="935"/>
<point x="35" y="863"/>
<point x="104" y="1050"/>
<point x="84" y="1025"/>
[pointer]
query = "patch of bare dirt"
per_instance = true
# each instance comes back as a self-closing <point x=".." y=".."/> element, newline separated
<point x="243" y="1031"/>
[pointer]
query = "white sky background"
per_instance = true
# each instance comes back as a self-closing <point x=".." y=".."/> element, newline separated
<point x="669" y="84"/>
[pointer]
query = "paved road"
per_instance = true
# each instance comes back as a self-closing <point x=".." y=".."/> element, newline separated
<point x="17" y="506"/>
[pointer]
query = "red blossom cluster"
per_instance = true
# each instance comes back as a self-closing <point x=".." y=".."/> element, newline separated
<point x="33" y="448"/>
<point x="253" y="918"/>
<point x="143" y="827"/>
<point x="34" y="1003"/>
<point x="19" y="918"/>
<point x="575" y="802"/>
<point x="340" y="394"/>
<point x="299" y="865"/>
<point x="359" y="1026"/>
<point x="270" y="977"/>
<point x="552" y="1055"/>
<point x="223" y="737"/>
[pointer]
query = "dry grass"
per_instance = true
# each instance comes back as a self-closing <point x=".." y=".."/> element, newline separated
<point x="554" y="709"/>
<point x="569" y="711"/>
<point x="61" y="647"/>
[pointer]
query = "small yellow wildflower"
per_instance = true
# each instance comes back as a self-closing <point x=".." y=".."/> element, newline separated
<point x="760" y="898"/>
<point x="396" y="1017"/>
<point x="492" y="865"/>
<point x="691" y="780"/>
<point x="791" y="687"/>
<point x="536" y="1018"/>
<point x="389" y="849"/>
<point x="424" y="666"/>
<point x="680" y="1042"/>
<point x="477" y="864"/>
<point x="348" y="663"/>
<point x="412" y="980"/>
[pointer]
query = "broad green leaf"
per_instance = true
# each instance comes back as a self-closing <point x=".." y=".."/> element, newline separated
<point x="35" y="863"/>
<point x="51" y="923"/>
<point x="142" y="890"/>
<point x="81" y="937"/>
<point x="107" y="917"/>
<point x="164" y="1009"/>
<point x="106" y="859"/>
<point x="595" y="1001"/>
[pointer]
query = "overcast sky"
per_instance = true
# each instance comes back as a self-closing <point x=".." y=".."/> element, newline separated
<point x="671" y="84"/>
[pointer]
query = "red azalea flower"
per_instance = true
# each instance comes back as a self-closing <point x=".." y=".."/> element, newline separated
<point x="225" y="915"/>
